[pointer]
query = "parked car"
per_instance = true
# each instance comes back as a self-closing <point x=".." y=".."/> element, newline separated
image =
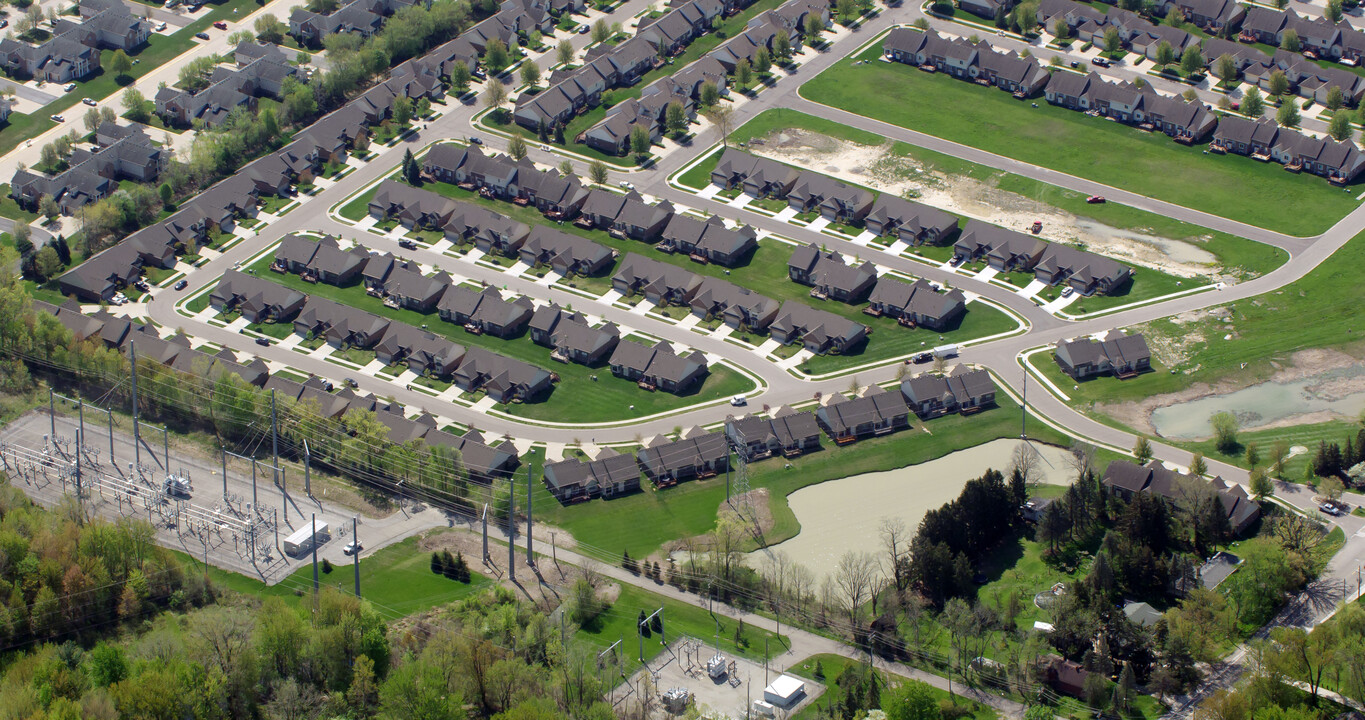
<point x="923" y="357"/>
<point x="58" y="119"/>
<point x="739" y="401"/>
<point x="142" y="284"/>
<point x="408" y="244"/>
<point x="475" y="141"/>
<point x="955" y="261"/>
<point x="119" y="299"/>
<point x="161" y="26"/>
<point x="89" y="102"/>
<point x="170" y="3"/>
<point x="351" y="381"/>
<point x="1067" y="292"/>
<point x="1330" y="509"/>
<point x="220" y="24"/>
<point x="1036" y="227"/>
<point x="68" y="87"/>
<point x="4" y="23"/>
<point x="262" y="341"/>
<point x="1075" y="63"/>
<point x="352" y="548"/>
<point x="182" y="284"/>
<point x="1095" y="199"/>
<point x="627" y="185"/>
<point x="583" y="29"/>
<point x="1100" y="62"/>
<point x="202" y="35"/>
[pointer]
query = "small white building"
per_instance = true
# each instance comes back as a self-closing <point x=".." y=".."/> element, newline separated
<point x="785" y="691"/>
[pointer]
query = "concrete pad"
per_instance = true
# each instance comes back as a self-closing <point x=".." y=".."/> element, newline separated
<point x="864" y="238"/>
<point x="442" y="245"/>
<point x="722" y="332"/>
<point x="235" y="325"/>
<point x="288" y="343"/>
<point x="554" y="451"/>
<point x="897" y="248"/>
<point x="817" y="224"/>
<point x="518" y="268"/>
<point x="366" y="222"/>
<point x="450" y="394"/>
<point x="688" y="322"/>
<point x="406" y="377"/>
<point x="741" y="201"/>
<point x="485" y="404"/>
<point x="767" y="347"/>
<point x="790" y="363"/>
<point x="610" y="296"/>
<point x="787" y="214"/>
<point x="473" y="255"/>
<point x="372" y="369"/>
<point x="322" y="352"/>
<point x="710" y="191"/>
<point x="987" y="273"/>
<point x="641" y="308"/>
<point x="1061" y="302"/>
<point x="522" y="445"/>
<point x="1032" y="289"/>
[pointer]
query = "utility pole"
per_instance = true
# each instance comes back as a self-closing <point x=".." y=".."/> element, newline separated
<point x="1023" y="407"/>
<point x="487" y="559"/>
<point x="355" y="556"/>
<point x="111" y="440"/>
<point x="52" y="418"/>
<point x="307" y="472"/>
<point x="223" y="450"/>
<point x="80" y="437"/>
<point x="511" y="529"/>
<point x="314" y="543"/>
<point x="254" y="501"/>
<point x="530" y="559"/>
<point x="137" y="441"/>
<point x="275" y="443"/>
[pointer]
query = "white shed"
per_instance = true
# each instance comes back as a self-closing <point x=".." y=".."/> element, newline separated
<point x="784" y="691"/>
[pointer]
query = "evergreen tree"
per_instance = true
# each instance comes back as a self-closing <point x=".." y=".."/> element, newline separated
<point x="1142" y="450"/>
<point x="437" y="566"/>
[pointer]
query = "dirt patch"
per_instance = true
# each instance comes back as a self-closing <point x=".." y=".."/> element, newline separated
<point x="547" y="590"/>
<point x="1302" y="364"/>
<point x="879" y="168"/>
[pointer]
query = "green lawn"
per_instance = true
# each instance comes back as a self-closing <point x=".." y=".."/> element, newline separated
<point x="834" y="665"/>
<point x="642" y="522"/>
<point x="358" y="208"/>
<point x="1078" y="144"/>
<point x="577" y="396"/>
<point x="397" y="579"/>
<point x="9" y="208"/>
<point x="279" y="331"/>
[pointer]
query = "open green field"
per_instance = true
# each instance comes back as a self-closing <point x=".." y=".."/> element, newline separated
<point x="576" y="396"/>
<point x="397" y="579"/>
<point x="834" y="665"/>
<point x="1075" y="143"/>
<point x="642" y="522"/>
<point x="680" y="619"/>
<point x="765" y="272"/>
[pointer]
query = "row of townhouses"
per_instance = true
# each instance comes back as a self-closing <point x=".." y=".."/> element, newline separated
<point x="260" y="70"/>
<point x="1212" y="16"/>
<point x="120" y="153"/>
<point x="1339" y="162"/>
<point x="1011" y="251"/>
<point x="73" y="50"/>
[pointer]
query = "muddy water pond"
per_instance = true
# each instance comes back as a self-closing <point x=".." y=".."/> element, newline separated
<point x="1339" y="391"/>
<point x="842" y="515"/>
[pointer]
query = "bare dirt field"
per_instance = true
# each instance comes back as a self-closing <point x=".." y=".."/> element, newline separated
<point x="880" y="169"/>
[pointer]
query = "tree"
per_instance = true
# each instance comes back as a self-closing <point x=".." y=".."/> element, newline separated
<point x="763" y="62"/>
<point x="744" y="75"/>
<point x="782" y="44"/>
<point x="1335" y="98"/>
<point x="1142" y="450"/>
<point x="1290" y="40"/>
<point x="402" y="109"/>
<point x="136" y="104"/>
<point x="896" y="541"/>
<point x="1126" y="689"/>
<point x="530" y="73"/>
<point x="459" y="79"/>
<point x="166" y="194"/>
<point x="847" y="10"/>
<point x="600" y="31"/>
<point x="910" y="700"/>
<point x="497" y="95"/>
<point x="1165" y="54"/>
<point x="1288" y="114"/>
<point x="1253" y="105"/>
<point x="564" y="52"/>
<point x="1253" y="455"/>
<point x="675" y="119"/>
<point x="1224" y="432"/>
<point x="856" y="577"/>
<point x="1302" y="654"/>
<point x="412" y="172"/>
<point x="1330" y="488"/>
<point x="710" y="94"/>
<point x="814" y="27"/>
<point x="91" y="119"/>
<point x="495" y="57"/>
<point x="1191" y="61"/>
<point x="1333" y="11"/>
<point x="121" y="64"/>
<point x="1112" y="41"/>
<point x="724" y="122"/>
<point x="1174" y="17"/>
<point x="1227" y="67"/>
<point x="640" y="142"/>
<point x="1279" y="84"/>
<point x="566" y="168"/>
<point x="1060" y="29"/>
<point x="46" y="263"/>
<point x="597" y="172"/>
<point x="1261" y="485"/>
<point x="1198" y="467"/>
<point x="1190" y="95"/>
<point x="1279" y="453"/>
<point x="270" y="29"/>
<point x="423" y="108"/>
<point x="516" y="147"/>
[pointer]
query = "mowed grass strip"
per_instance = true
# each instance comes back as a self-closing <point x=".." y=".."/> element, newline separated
<point x="1232" y="186"/>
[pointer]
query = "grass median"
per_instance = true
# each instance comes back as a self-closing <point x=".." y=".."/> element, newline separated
<point x="1235" y="187"/>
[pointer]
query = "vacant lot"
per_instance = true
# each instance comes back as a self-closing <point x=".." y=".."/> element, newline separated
<point x="1150" y="163"/>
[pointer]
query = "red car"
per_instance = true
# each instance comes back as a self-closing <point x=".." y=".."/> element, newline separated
<point x="220" y="25"/>
<point x="1095" y="199"/>
<point x="1036" y="228"/>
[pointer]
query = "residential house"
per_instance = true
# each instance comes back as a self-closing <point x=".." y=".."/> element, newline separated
<point x="819" y="331"/>
<point x="738" y="307"/>
<point x="829" y="275"/>
<point x="639" y="220"/>
<point x="564" y="253"/>
<point x="697" y="455"/>
<point x="875" y="412"/>
<point x="485" y="311"/>
<point x="259" y="300"/>
<point x="502" y="378"/>
<point x="759" y="177"/>
<point x="917" y="303"/>
<point x="1002" y="249"/>
<point x="1126" y="479"/>
<point x="836" y="201"/>
<point x="1085" y="272"/>
<point x="787" y="432"/>
<point x="610" y="475"/>
<point x="709" y="240"/>
<point x="320" y="260"/>
<point x="909" y="222"/>
<point x="483" y="462"/>
<point x="341" y="325"/>
<point x="1116" y="354"/>
<point x="658" y="367"/>
<point x="661" y="283"/>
